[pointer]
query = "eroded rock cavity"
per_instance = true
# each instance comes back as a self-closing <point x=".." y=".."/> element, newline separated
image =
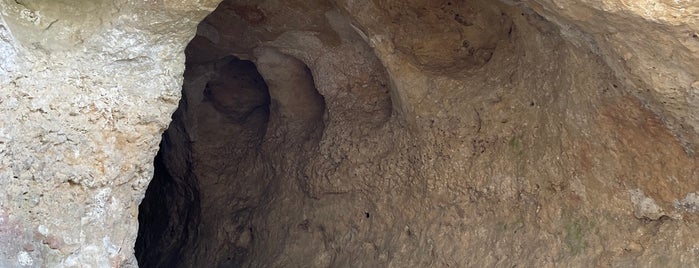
<point x="213" y="171"/>
<point x="410" y="134"/>
<point x="349" y="133"/>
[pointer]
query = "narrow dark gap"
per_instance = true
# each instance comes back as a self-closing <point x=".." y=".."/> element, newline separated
<point x="160" y="234"/>
<point x="216" y="132"/>
<point x="215" y="173"/>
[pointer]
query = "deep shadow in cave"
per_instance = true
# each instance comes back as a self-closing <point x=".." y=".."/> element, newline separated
<point x="220" y="122"/>
<point x="213" y="172"/>
<point x="159" y="233"/>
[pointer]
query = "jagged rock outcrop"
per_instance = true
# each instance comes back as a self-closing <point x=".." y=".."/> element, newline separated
<point x="349" y="133"/>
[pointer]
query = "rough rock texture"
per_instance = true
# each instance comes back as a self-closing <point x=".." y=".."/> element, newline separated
<point x="86" y="88"/>
<point x="363" y="133"/>
<point x="653" y="46"/>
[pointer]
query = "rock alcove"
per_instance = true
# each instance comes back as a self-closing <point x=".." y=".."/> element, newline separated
<point x="437" y="113"/>
<point x="362" y="133"/>
<point x="213" y="170"/>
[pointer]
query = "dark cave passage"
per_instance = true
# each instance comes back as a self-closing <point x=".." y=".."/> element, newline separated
<point x="252" y="147"/>
<point x="161" y="236"/>
<point x="213" y="172"/>
<point x="221" y="120"/>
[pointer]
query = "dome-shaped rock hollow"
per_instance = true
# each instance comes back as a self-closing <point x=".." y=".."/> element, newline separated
<point x="349" y="133"/>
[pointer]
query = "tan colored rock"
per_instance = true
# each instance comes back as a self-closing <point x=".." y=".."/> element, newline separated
<point x="415" y="133"/>
<point x="652" y="46"/>
<point x="85" y="89"/>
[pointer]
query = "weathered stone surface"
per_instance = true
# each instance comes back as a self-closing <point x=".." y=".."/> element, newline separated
<point x="652" y="46"/>
<point x="85" y="89"/>
<point x="415" y="133"/>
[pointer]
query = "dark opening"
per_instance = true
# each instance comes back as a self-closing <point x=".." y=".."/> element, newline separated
<point x="214" y="172"/>
<point x="221" y="122"/>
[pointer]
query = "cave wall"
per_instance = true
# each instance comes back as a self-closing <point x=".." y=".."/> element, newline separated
<point x="442" y="133"/>
<point x="651" y="46"/>
<point x="86" y="89"/>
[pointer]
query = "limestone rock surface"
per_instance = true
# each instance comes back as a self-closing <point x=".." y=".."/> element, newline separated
<point x="349" y="133"/>
<point x="85" y="89"/>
